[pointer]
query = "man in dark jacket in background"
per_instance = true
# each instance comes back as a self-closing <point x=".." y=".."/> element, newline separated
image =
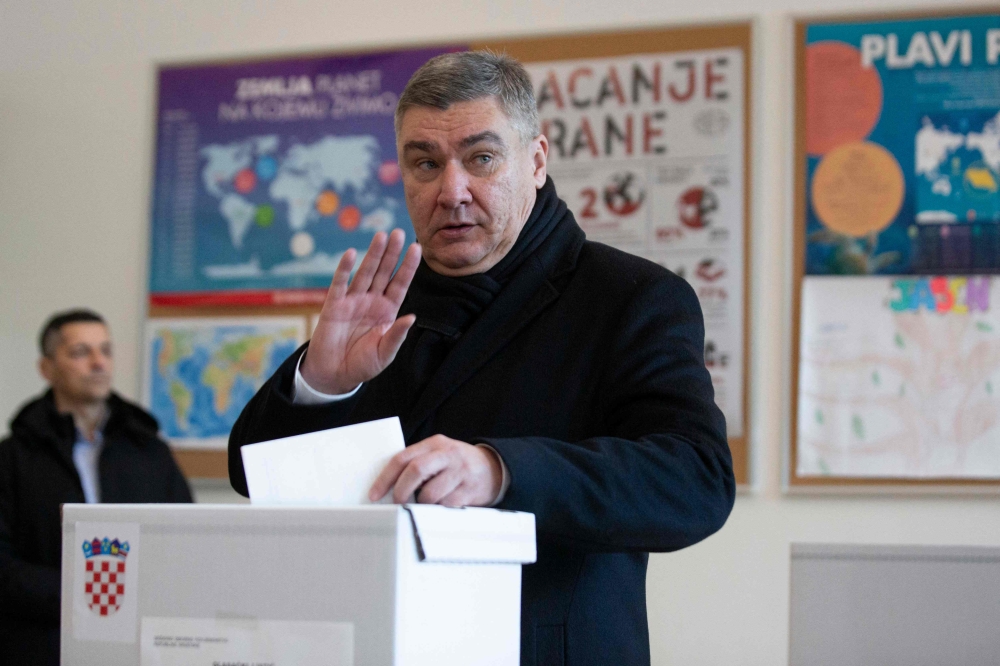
<point x="531" y="369"/>
<point x="79" y="442"/>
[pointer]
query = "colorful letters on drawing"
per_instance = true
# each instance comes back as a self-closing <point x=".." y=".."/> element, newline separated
<point x="940" y="294"/>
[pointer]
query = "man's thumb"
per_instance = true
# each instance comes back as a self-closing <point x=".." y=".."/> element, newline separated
<point x="393" y="339"/>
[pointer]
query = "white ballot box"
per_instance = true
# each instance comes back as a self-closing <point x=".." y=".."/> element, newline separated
<point x="205" y="585"/>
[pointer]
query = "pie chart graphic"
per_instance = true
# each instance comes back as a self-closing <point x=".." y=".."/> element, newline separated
<point x="349" y="218"/>
<point x="327" y="203"/>
<point x="388" y="172"/>
<point x="245" y="181"/>
<point x="267" y="167"/>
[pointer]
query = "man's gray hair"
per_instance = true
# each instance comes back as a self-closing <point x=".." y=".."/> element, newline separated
<point x="470" y="75"/>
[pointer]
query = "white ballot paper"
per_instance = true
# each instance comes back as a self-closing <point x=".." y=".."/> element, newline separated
<point x="333" y="467"/>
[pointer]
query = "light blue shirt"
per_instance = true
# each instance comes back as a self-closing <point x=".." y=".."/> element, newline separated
<point x="86" y="456"/>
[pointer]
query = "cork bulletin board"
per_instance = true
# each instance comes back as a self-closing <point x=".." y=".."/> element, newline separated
<point x="896" y="352"/>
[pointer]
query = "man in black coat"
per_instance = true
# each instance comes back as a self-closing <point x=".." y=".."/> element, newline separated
<point x="531" y="369"/>
<point x="79" y="442"/>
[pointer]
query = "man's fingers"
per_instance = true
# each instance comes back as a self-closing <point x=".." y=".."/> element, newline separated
<point x="439" y="487"/>
<point x="393" y="339"/>
<point x="388" y="264"/>
<point x="363" y="278"/>
<point x="419" y="471"/>
<point x="387" y="477"/>
<point x="457" y="498"/>
<point x="396" y="290"/>
<point x="338" y="287"/>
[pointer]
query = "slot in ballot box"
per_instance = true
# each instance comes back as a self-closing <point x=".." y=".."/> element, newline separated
<point x="235" y="584"/>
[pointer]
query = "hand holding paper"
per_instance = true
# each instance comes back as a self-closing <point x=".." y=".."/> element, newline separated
<point x="363" y="463"/>
<point x="441" y="470"/>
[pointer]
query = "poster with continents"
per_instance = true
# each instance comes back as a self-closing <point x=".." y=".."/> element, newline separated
<point x="199" y="373"/>
<point x="267" y="171"/>
<point x="648" y="152"/>
<point x="902" y="135"/>
<point x="899" y="377"/>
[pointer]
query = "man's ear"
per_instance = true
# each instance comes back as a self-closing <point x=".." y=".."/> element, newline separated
<point x="45" y="368"/>
<point x="540" y="158"/>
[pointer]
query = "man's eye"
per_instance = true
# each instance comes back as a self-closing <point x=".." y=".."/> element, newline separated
<point x="483" y="159"/>
<point x="426" y="165"/>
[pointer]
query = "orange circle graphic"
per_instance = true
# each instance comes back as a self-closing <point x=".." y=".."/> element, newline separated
<point x="349" y="218"/>
<point x="857" y="189"/>
<point x="327" y="203"/>
<point x="843" y="99"/>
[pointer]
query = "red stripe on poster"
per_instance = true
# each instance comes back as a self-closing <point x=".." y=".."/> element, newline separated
<point x="239" y="298"/>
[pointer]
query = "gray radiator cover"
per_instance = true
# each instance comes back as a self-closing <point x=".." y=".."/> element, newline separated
<point x="889" y="605"/>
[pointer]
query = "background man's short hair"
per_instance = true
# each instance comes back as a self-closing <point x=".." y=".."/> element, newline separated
<point x="468" y="75"/>
<point x="49" y="338"/>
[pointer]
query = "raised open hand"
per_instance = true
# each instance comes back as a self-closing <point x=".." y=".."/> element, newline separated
<point x="358" y="334"/>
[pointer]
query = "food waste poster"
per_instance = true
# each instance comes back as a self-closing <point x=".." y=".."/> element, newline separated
<point x="648" y="152"/>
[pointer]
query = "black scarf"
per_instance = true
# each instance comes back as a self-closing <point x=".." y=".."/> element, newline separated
<point x="447" y="306"/>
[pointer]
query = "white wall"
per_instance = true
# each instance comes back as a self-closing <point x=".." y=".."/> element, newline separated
<point x="76" y="100"/>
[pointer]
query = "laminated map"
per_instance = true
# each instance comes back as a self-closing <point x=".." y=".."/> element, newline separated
<point x="200" y="373"/>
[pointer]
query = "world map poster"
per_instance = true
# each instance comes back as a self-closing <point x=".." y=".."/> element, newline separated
<point x="200" y="373"/>
<point x="902" y="135"/>
<point x="267" y="171"/>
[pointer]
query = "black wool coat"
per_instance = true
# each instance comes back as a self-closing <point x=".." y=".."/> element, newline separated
<point x="37" y="475"/>
<point x="586" y="374"/>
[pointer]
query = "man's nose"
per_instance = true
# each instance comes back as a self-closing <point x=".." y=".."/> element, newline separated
<point x="454" y="187"/>
<point x="98" y="361"/>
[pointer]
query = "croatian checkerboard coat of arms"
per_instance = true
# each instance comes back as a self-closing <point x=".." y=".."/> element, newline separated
<point x="104" y="576"/>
